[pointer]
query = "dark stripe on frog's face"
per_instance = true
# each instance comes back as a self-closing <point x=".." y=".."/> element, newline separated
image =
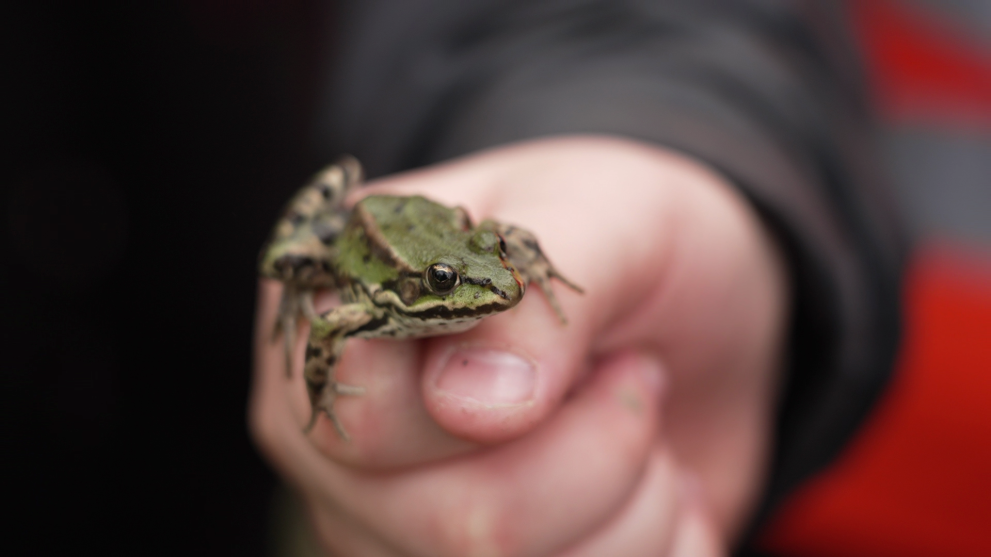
<point x="443" y="312"/>
<point x="442" y="308"/>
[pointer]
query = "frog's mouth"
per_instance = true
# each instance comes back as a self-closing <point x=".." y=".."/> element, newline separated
<point x="443" y="312"/>
<point x="504" y="259"/>
<point x="474" y="298"/>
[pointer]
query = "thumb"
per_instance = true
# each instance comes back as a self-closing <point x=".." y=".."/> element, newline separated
<point x="499" y="380"/>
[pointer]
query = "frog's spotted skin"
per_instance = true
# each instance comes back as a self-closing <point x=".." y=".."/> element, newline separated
<point x="301" y="251"/>
<point x="403" y="267"/>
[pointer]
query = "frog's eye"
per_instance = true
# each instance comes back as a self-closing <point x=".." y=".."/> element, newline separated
<point x="502" y="246"/>
<point x="441" y="278"/>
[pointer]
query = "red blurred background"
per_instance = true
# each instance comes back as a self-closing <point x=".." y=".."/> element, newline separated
<point x="916" y="481"/>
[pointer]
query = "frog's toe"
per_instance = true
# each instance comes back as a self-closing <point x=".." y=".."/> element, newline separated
<point x="325" y="404"/>
<point x="329" y="412"/>
<point x="553" y="273"/>
<point x="288" y="341"/>
<point x="314" y="414"/>
<point x="545" y="286"/>
<point x="348" y="390"/>
<point x="326" y="407"/>
<point x="339" y="427"/>
<point x="286" y="324"/>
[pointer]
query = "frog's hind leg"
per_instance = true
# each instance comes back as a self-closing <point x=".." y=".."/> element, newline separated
<point x="328" y="335"/>
<point x="285" y="323"/>
<point x="321" y="386"/>
<point x="525" y="254"/>
<point x="337" y="180"/>
<point x="294" y="301"/>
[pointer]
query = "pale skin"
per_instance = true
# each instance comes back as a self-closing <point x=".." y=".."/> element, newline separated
<point x="642" y="427"/>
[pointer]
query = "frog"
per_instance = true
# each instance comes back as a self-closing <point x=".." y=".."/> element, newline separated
<point x="403" y="267"/>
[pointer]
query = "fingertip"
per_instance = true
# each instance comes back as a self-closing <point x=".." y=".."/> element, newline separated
<point x="490" y="392"/>
<point x="503" y="378"/>
<point x="484" y="392"/>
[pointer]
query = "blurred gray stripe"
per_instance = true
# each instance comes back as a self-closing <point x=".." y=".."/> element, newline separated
<point x="943" y="177"/>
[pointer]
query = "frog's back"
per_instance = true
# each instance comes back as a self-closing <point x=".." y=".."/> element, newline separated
<point x="415" y="228"/>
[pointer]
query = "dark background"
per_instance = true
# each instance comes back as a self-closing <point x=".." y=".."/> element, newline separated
<point x="147" y="148"/>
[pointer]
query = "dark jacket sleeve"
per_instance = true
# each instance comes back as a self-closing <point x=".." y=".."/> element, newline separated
<point x="763" y="91"/>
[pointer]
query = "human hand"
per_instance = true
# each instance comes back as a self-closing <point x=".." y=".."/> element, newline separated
<point x="640" y="428"/>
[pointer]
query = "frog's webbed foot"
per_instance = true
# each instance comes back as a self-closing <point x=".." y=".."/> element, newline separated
<point x="325" y="404"/>
<point x="541" y="275"/>
<point x="328" y="335"/>
<point x="525" y="254"/>
<point x="543" y="281"/>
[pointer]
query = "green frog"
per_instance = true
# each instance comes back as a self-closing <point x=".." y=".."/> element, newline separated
<point x="404" y="267"/>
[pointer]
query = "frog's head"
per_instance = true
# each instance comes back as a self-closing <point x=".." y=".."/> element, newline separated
<point x="468" y="283"/>
<point x="435" y="267"/>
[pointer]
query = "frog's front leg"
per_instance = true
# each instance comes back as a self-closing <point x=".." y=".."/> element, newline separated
<point x="328" y="334"/>
<point x="529" y="260"/>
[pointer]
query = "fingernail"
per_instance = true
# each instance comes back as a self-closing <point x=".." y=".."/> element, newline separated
<point x="488" y="376"/>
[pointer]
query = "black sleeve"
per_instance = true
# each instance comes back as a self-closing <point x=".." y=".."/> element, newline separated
<point x="763" y="91"/>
